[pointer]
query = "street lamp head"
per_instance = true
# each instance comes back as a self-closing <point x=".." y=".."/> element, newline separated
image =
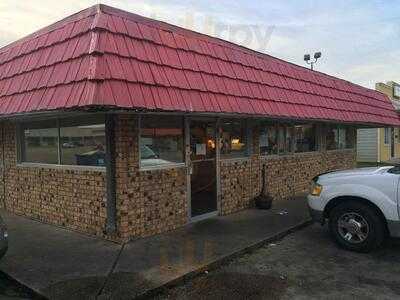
<point x="307" y="57"/>
<point x="317" y="55"/>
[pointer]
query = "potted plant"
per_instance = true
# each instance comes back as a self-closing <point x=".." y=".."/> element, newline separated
<point x="264" y="199"/>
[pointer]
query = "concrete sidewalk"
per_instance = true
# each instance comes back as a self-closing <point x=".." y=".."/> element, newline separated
<point x="60" y="264"/>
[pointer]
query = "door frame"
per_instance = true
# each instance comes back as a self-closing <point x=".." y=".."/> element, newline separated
<point x="215" y="213"/>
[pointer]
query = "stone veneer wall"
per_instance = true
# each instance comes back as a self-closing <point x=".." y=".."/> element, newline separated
<point x="239" y="184"/>
<point x="287" y="176"/>
<point x="240" y="180"/>
<point x="148" y="202"/>
<point x="152" y="201"/>
<point x="71" y="198"/>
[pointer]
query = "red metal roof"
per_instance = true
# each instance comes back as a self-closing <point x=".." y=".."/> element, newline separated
<point x="106" y="57"/>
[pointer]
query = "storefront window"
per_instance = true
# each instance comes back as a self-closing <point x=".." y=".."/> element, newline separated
<point x="233" y="138"/>
<point x="305" y="138"/>
<point x="281" y="139"/>
<point x="40" y="142"/>
<point x="332" y="138"/>
<point x="202" y="140"/>
<point x="276" y="139"/>
<point x="289" y="140"/>
<point x="339" y="137"/>
<point x="268" y="140"/>
<point x="350" y="138"/>
<point x="342" y="138"/>
<point x="78" y="141"/>
<point x="83" y="143"/>
<point x="161" y="141"/>
<point x="387" y="135"/>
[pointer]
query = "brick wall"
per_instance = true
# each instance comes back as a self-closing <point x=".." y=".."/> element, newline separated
<point x="287" y="176"/>
<point x="240" y="180"/>
<point x="149" y="202"/>
<point x="238" y="185"/>
<point x="72" y="198"/>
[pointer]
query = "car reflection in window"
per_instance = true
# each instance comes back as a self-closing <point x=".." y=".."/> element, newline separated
<point x="149" y="158"/>
<point x="95" y="157"/>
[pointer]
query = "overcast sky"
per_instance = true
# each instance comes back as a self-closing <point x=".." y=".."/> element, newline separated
<point x="359" y="40"/>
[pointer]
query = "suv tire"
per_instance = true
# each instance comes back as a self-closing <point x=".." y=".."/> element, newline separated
<point x="356" y="226"/>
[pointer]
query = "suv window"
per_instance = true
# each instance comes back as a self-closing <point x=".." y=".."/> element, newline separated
<point x="394" y="170"/>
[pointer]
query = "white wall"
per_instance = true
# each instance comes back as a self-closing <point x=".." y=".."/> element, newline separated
<point x="367" y="145"/>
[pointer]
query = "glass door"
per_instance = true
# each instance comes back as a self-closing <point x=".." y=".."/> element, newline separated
<point x="203" y="167"/>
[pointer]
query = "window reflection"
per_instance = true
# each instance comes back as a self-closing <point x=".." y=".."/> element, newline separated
<point x="233" y="138"/>
<point x="161" y="140"/>
<point x="268" y="140"/>
<point x="40" y="144"/>
<point x="340" y="137"/>
<point x="73" y="141"/>
<point x="305" y="138"/>
<point x="285" y="139"/>
<point x="83" y="145"/>
<point x="332" y="138"/>
<point x="202" y="140"/>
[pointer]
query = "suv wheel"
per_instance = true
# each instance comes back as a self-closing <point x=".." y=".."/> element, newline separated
<point x="356" y="226"/>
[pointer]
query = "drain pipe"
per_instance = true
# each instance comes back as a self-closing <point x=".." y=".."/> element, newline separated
<point x="3" y="167"/>
<point x="111" y="221"/>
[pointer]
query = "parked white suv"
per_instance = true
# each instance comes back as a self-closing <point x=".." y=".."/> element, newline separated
<point x="362" y="205"/>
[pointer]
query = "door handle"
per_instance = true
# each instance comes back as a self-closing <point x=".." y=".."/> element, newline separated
<point x="190" y="168"/>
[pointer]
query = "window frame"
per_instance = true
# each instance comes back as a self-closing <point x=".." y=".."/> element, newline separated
<point x="20" y="144"/>
<point x="167" y="166"/>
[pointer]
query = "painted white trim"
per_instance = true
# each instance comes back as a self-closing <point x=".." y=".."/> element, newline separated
<point x="60" y="167"/>
<point x="299" y="154"/>
<point x="340" y="150"/>
<point x="235" y="159"/>
<point x="163" y="167"/>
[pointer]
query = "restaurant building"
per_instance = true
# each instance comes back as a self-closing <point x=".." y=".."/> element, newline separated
<point x="120" y="126"/>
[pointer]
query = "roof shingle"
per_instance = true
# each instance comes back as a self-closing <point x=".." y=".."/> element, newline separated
<point x="103" y="56"/>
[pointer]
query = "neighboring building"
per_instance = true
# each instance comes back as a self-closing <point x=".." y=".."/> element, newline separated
<point x="121" y="126"/>
<point x="381" y="144"/>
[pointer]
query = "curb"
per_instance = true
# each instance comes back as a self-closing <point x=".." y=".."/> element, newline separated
<point x="223" y="260"/>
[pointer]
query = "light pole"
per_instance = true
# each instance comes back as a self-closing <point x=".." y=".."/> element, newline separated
<point x="309" y="61"/>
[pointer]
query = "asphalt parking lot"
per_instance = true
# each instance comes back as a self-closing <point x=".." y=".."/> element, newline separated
<point x="304" y="265"/>
<point x="12" y="290"/>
